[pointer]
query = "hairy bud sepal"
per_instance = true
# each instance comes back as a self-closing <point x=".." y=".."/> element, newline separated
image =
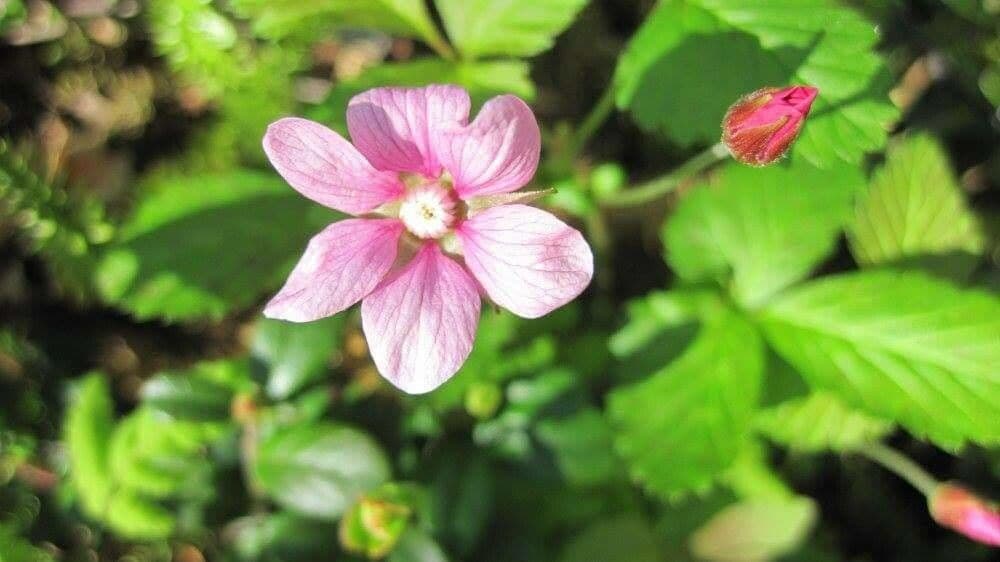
<point x="760" y="128"/>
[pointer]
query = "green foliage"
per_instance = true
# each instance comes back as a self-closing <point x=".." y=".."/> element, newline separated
<point x="197" y="40"/>
<point x="623" y="537"/>
<point x="202" y="393"/>
<point x="898" y="345"/>
<point x="662" y="79"/>
<point x="15" y="549"/>
<point x="520" y="28"/>
<point x="819" y="422"/>
<point x="282" y="18"/>
<point x="416" y="546"/>
<point x="755" y="530"/>
<point x="295" y="354"/>
<point x="710" y="391"/>
<point x="582" y="445"/>
<point x="758" y="230"/>
<point x="915" y="212"/>
<point x="12" y="13"/>
<point x="119" y="471"/>
<point x="64" y="229"/>
<point x="167" y="262"/>
<point x="319" y="470"/>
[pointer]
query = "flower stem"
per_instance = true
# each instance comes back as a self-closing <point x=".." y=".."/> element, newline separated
<point x="663" y="185"/>
<point x="901" y="465"/>
<point x="438" y="44"/>
<point x="593" y="121"/>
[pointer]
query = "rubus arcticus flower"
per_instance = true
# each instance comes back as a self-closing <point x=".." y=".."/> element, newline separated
<point x="436" y="225"/>
<point x="760" y="127"/>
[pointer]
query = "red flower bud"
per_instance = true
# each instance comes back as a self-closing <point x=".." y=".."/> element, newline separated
<point x="759" y="128"/>
<point x="960" y="510"/>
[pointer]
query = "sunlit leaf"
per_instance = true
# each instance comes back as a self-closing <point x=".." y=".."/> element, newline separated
<point x="820" y="422"/>
<point x="915" y="212"/>
<point x="199" y="246"/>
<point x="519" y="28"/>
<point x="755" y="530"/>
<point x="582" y="445"/>
<point x="681" y="427"/>
<point x="663" y="80"/>
<point x="901" y="346"/>
<point x="87" y="431"/>
<point x="276" y="19"/>
<point x="202" y="393"/>
<point x="319" y="470"/>
<point x="758" y="230"/>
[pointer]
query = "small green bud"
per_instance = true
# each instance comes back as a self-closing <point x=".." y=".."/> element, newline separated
<point x="482" y="400"/>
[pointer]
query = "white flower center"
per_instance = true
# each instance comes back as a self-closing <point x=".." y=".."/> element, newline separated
<point x="428" y="210"/>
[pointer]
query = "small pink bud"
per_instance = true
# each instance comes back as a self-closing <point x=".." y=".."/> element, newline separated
<point x="759" y="128"/>
<point x="960" y="510"/>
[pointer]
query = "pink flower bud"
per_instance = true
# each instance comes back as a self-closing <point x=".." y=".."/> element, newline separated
<point x="759" y="128"/>
<point x="960" y="510"/>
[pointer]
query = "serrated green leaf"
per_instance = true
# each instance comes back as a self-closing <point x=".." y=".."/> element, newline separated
<point x="483" y="79"/>
<point x="820" y="422"/>
<point x="519" y="28"/>
<point x="295" y="354"/>
<point x="899" y="345"/>
<point x="915" y="212"/>
<point x="661" y="78"/>
<point x="758" y="230"/>
<point x="319" y="470"/>
<point x="755" y="530"/>
<point x="199" y="246"/>
<point x="134" y="516"/>
<point x="87" y="432"/>
<point x="276" y="19"/>
<point x="680" y="428"/>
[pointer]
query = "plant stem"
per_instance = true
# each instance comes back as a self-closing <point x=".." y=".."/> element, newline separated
<point x="663" y="185"/>
<point x="597" y="116"/>
<point x="901" y="465"/>
<point x="438" y="44"/>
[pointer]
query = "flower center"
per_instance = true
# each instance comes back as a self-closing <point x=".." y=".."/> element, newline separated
<point x="428" y="210"/>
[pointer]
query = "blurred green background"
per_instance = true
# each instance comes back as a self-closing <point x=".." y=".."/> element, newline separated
<point x="752" y="338"/>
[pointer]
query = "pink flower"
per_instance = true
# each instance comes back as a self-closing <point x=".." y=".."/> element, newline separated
<point x="760" y="127"/>
<point x="436" y="225"/>
<point x="958" y="509"/>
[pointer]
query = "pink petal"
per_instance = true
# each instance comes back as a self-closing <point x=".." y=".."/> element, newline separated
<point x="526" y="260"/>
<point x="324" y="167"/>
<point x="340" y="266"/>
<point x="396" y="128"/>
<point x="496" y="153"/>
<point x="420" y="322"/>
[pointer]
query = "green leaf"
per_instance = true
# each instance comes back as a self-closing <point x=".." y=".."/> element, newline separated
<point x="199" y="246"/>
<point x="684" y="425"/>
<point x="898" y="345"/>
<point x="623" y="537"/>
<point x="758" y="230"/>
<point x="661" y="78"/>
<point x="915" y="212"/>
<point x="14" y="548"/>
<point x="276" y="19"/>
<point x="582" y="445"/>
<point x="820" y="422"/>
<point x="319" y="470"/>
<point x="202" y="393"/>
<point x="90" y="440"/>
<point x="417" y="546"/>
<point x="755" y="530"/>
<point x="519" y="28"/>
<point x="12" y="13"/>
<point x="283" y="536"/>
<point x="483" y="79"/>
<point x="295" y="354"/>
<point x="87" y="432"/>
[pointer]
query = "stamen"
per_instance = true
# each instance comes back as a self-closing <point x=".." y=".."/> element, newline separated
<point x="428" y="211"/>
